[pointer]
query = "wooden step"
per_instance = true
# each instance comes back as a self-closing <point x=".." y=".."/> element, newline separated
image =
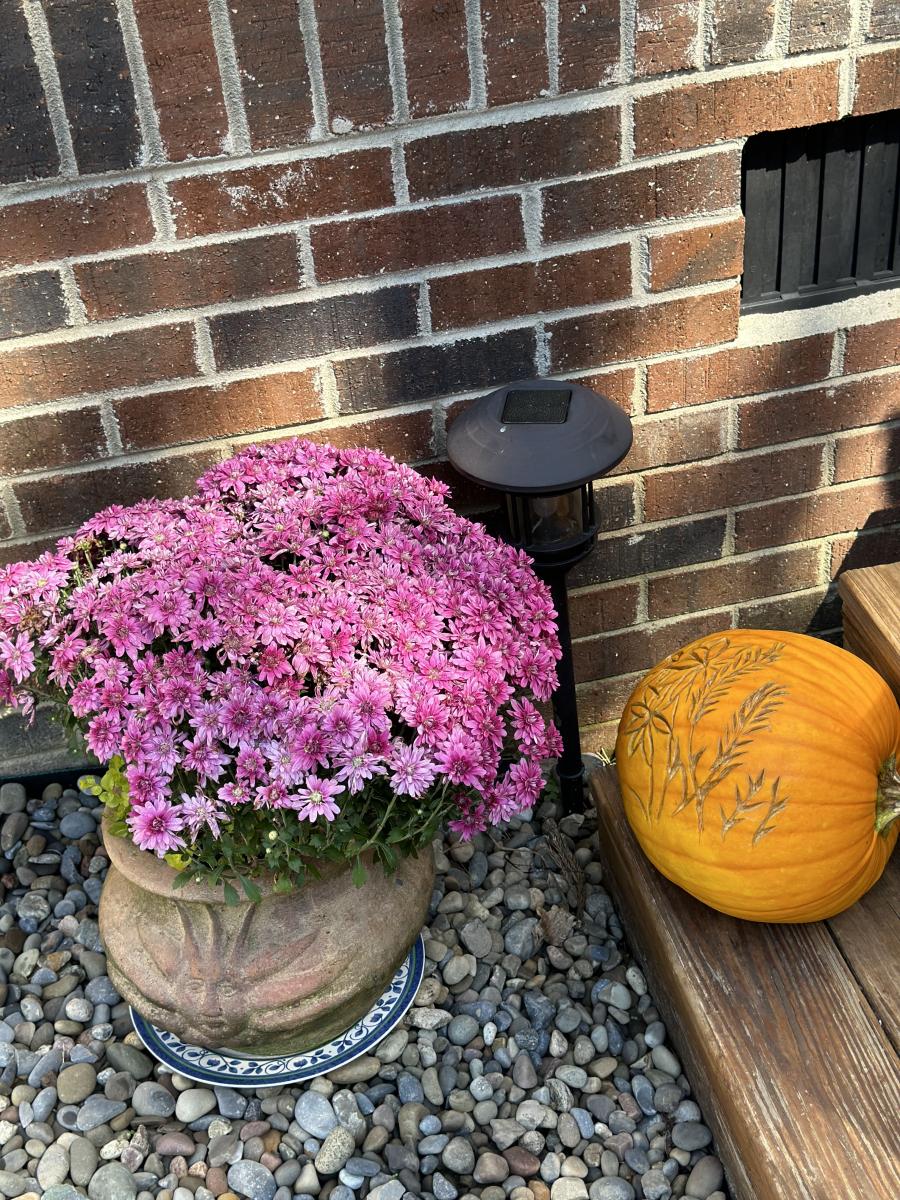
<point x="871" y="614"/>
<point x="789" y="1034"/>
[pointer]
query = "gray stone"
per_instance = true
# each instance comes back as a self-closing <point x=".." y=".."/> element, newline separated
<point x="458" y="1156"/>
<point x="442" y="1188"/>
<point x="253" y="1180"/>
<point x="392" y="1190"/>
<point x="705" y="1178"/>
<point x="83" y="1160"/>
<point x="336" y="1149"/>
<point x="53" y="1166"/>
<point x="490" y="1168"/>
<point x="194" y="1103"/>
<point x="655" y="1185"/>
<point x="97" y="1110"/>
<point x="112" y="1182"/>
<point x="152" y="1100"/>
<point x="123" y="1057"/>
<point x="611" y="1189"/>
<point x="315" y="1114"/>
<point x="568" y="1188"/>
<point x="75" y="825"/>
<point x="690" y="1135"/>
<point x="476" y="937"/>
<point x="519" y="939"/>
<point x="462" y="1030"/>
<point x="12" y="798"/>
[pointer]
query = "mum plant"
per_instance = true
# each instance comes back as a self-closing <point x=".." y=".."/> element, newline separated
<point x="313" y="658"/>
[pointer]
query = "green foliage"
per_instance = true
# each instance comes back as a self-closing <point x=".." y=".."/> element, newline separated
<point x="112" y="788"/>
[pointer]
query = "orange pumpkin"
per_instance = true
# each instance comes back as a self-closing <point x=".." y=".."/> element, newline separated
<point x="758" y="771"/>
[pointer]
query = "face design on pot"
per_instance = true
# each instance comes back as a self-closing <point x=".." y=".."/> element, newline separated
<point x="232" y="974"/>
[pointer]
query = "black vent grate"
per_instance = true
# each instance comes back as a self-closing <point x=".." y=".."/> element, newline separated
<point x="821" y="209"/>
<point x="536" y="406"/>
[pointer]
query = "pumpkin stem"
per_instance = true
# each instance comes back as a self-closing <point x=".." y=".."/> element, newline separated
<point x="887" y="803"/>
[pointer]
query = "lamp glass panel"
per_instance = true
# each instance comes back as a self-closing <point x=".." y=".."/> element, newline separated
<point x="553" y="519"/>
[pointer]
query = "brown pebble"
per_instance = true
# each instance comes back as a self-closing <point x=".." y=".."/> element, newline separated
<point x="178" y="1166"/>
<point x="217" y="1180"/>
<point x="174" y="1142"/>
<point x="272" y="1161"/>
<point x="254" y="1129"/>
<point x="539" y="1190"/>
<point x="272" y="1140"/>
<point x="521" y="1161"/>
<point x="198" y="1169"/>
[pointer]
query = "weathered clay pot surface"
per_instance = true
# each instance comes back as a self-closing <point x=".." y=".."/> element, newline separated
<point x="282" y="975"/>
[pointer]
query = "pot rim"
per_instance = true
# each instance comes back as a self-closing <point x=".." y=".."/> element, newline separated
<point x="151" y="873"/>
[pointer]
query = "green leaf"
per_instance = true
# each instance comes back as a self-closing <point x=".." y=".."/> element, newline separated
<point x="358" y="874"/>
<point x="283" y="885"/>
<point x="181" y="879"/>
<point x="251" y="891"/>
<point x="231" y="896"/>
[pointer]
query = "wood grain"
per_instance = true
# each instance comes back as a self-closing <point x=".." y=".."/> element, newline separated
<point x="871" y="603"/>
<point x="788" y="1059"/>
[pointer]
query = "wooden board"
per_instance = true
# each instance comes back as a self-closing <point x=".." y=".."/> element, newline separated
<point x="787" y="1055"/>
<point x="871" y="604"/>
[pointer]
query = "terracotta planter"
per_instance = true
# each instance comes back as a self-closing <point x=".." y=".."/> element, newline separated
<point x="282" y="975"/>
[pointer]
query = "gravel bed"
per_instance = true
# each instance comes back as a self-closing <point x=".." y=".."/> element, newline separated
<point x="533" y="1065"/>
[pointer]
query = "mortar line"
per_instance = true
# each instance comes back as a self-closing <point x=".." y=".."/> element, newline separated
<point x="439" y="428"/>
<point x="111" y="429"/>
<point x="148" y="118"/>
<point x="45" y="61"/>
<point x="551" y="40"/>
<point x="13" y="511"/>
<point x="393" y="36"/>
<point x="160" y="204"/>
<point x="398" y="176"/>
<point x="532" y="218"/>
<point x="203" y="347"/>
<point x="475" y="53"/>
<point x="627" y="23"/>
<point x="838" y="353"/>
<point x="238" y="140"/>
<point x="309" y="29"/>
<point x="779" y="45"/>
<point x="541" y="349"/>
<point x="305" y="258"/>
<point x="328" y="390"/>
<point x="71" y="295"/>
<point x="626" y="132"/>
<point x="423" y="309"/>
<point x="705" y="32"/>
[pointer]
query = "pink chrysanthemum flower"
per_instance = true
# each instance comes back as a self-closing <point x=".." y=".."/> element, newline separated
<point x="317" y="799"/>
<point x="156" y="826"/>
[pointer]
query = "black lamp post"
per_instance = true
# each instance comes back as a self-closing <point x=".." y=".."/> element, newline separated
<point x="541" y="442"/>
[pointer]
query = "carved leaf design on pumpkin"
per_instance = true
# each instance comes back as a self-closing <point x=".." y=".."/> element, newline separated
<point x="702" y="677"/>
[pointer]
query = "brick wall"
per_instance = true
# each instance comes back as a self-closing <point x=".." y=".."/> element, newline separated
<point x="221" y="221"/>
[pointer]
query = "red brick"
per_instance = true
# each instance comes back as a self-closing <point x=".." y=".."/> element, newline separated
<point x="698" y="114"/>
<point x="618" y="386"/>
<point x="50" y="440"/>
<point x="732" y="582"/>
<point x="638" y="332"/>
<point x="588" y="44"/>
<point x="868" y="453"/>
<point x="28" y="147"/>
<point x="515" y="49"/>
<point x="62" y="501"/>
<point x="31" y="303"/>
<point x="436" y="54"/>
<point x="837" y="407"/>
<point x="741" y="30"/>
<point x="681" y="437"/>
<point x="699" y="255"/>
<point x="569" y="281"/>
<point x="600" y="705"/>
<point x="229" y="409"/>
<point x="738" y="372"/>
<point x="640" y="648"/>
<point x="822" y="513"/>
<point x="354" y="62"/>
<point x="872" y="346"/>
<point x="96" y="83"/>
<point x="629" y="554"/>
<point x="406" y="436"/>
<point x="640" y="195"/>
<point x="426" y="372"/>
<point x="819" y="25"/>
<point x="666" y="35"/>
<point x="877" y="82"/>
<point x="25" y="551"/>
<point x="614" y="504"/>
<point x="281" y="192"/>
<point x="84" y="223"/>
<point x="94" y="364"/>
<point x="518" y="152"/>
<point x="811" y="611"/>
<point x="600" y="609"/>
<point x="143" y="283"/>
<point x="272" y="61"/>
<point x="884" y="21"/>
<point x="184" y="76"/>
<point x="403" y="240"/>
<point x="705" y="487"/>
<point x="866" y="550"/>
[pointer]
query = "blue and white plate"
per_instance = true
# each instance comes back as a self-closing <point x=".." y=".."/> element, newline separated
<point x="232" y="1070"/>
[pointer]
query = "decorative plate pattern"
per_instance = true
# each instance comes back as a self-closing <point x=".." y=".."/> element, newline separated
<point x="233" y="1070"/>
